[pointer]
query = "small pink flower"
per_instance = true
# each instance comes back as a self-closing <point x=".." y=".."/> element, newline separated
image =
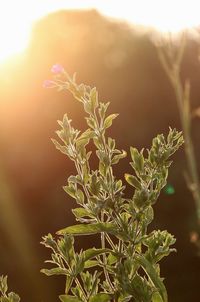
<point x="48" y="84"/>
<point x="57" y="68"/>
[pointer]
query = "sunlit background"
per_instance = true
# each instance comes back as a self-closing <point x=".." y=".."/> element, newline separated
<point x="110" y="45"/>
<point x="18" y="17"/>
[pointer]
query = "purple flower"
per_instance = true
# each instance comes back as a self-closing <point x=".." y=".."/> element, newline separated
<point x="48" y="84"/>
<point x="57" y="68"/>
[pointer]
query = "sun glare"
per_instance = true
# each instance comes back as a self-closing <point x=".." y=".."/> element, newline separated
<point x="17" y="17"/>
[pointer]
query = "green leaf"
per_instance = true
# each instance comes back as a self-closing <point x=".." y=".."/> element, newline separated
<point x="108" y="121"/>
<point x="3" y="284"/>
<point x="101" y="297"/>
<point x="111" y="259"/>
<point x="91" y="253"/>
<point x="95" y="185"/>
<point x="153" y="275"/>
<point x="70" y="191"/>
<point x="94" y="98"/>
<point x="133" y="181"/>
<point x="80" y="196"/>
<point x="91" y="122"/>
<point x="156" y="297"/>
<point x="62" y="149"/>
<point x="138" y="159"/>
<point x="90" y="263"/>
<point x="88" y="229"/>
<point x="54" y="271"/>
<point x="81" y="212"/>
<point x="84" y="138"/>
<point x="4" y="299"/>
<point x="117" y="157"/>
<point x="87" y="107"/>
<point x="68" y="298"/>
<point x="13" y="297"/>
<point x="68" y="283"/>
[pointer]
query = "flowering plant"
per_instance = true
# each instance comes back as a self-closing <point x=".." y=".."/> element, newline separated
<point x="126" y="265"/>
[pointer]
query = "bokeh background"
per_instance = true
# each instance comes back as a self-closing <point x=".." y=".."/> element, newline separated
<point x="121" y="61"/>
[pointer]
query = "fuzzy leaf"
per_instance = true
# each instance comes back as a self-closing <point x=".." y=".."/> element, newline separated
<point x="108" y="121"/>
<point x="88" y="229"/>
<point x="68" y="298"/>
<point x="54" y="271"/>
<point x="133" y="181"/>
<point x="81" y="212"/>
<point x="153" y="275"/>
<point x="91" y="253"/>
<point x="70" y="191"/>
<point x="90" y="263"/>
<point x="117" y="157"/>
<point x="138" y="159"/>
<point x="101" y="297"/>
<point x="94" y="98"/>
<point x="156" y="297"/>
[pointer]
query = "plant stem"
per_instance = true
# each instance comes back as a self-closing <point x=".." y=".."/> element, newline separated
<point x="104" y="257"/>
<point x="182" y="93"/>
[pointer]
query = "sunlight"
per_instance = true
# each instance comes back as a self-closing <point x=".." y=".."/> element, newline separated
<point x="17" y="17"/>
<point x="164" y="16"/>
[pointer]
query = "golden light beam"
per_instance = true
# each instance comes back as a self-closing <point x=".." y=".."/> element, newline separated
<point x="17" y="17"/>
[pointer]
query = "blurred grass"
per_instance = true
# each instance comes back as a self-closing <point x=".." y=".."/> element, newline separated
<point x="20" y="239"/>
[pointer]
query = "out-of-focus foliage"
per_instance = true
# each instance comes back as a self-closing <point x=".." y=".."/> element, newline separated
<point x="5" y="296"/>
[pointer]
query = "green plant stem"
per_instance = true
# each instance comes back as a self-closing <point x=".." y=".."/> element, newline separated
<point x="79" y="285"/>
<point x="102" y="234"/>
<point x="104" y="257"/>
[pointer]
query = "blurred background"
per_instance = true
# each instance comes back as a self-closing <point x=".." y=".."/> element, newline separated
<point x="110" y="46"/>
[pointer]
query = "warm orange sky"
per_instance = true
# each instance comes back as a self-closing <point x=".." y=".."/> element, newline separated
<point x="17" y="16"/>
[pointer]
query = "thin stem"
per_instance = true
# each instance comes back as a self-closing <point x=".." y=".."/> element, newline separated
<point x="182" y="94"/>
<point x="110" y="241"/>
<point x="82" y="290"/>
<point x="104" y="258"/>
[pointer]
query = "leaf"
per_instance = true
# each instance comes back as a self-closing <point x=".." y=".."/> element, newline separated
<point x="87" y="107"/>
<point x="153" y="275"/>
<point x="94" y="98"/>
<point x="90" y="263"/>
<point x="137" y="158"/>
<point x="13" y="297"/>
<point x="101" y="297"/>
<point x="95" y="185"/>
<point x="81" y="212"/>
<point x="70" y="191"/>
<point x="88" y="229"/>
<point x="91" y="122"/>
<point x="117" y="157"/>
<point x="80" y="196"/>
<point x="68" y="298"/>
<point x="54" y="271"/>
<point x="133" y="181"/>
<point x="3" y="284"/>
<point x="156" y="297"/>
<point x="111" y="259"/>
<point x="91" y="253"/>
<point x="69" y="281"/>
<point x="61" y="148"/>
<point x="84" y="138"/>
<point x="109" y="119"/>
<point x="5" y="299"/>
